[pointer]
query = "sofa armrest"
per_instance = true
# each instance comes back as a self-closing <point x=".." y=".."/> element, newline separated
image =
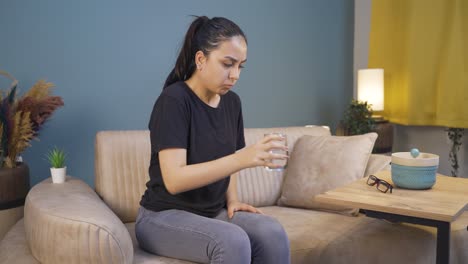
<point x="376" y="163"/>
<point x="69" y="223"/>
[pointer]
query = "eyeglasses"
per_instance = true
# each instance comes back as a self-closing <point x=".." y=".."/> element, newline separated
<point x="381" y="185"/>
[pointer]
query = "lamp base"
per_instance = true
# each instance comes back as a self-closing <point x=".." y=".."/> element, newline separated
<point x="384" y="129"/>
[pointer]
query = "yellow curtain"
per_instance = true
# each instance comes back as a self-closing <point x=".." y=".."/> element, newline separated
<point x="423" y="47"/>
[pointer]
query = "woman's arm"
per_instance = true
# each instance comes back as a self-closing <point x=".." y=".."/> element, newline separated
<point x="179" y="177"/>
<point x="233" y="204"/>
<point x="231" y="194"/>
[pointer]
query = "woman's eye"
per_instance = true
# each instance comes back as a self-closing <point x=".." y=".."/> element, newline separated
<point x="228" y="65"/>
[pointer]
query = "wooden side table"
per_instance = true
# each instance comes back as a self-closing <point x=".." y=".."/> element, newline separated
<point x="436" y="207"/>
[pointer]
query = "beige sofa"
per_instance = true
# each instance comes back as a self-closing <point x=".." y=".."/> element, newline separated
<point x="71" y="223"/>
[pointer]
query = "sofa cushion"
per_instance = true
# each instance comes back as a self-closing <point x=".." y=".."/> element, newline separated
<point x="323" y="237"/>
<point x="68" y="222"/>
<point x="319" y="164"/>
<point x="14" y="248"/>
<point x="258" y="186"/>
<point x="316" y="237"/>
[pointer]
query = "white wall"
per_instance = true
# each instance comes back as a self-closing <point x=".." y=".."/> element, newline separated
<point x="426" y="138"/>
<point x="361" y="37"/>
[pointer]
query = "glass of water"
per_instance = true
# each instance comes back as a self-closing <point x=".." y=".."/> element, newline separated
<point x="281" y="162"/>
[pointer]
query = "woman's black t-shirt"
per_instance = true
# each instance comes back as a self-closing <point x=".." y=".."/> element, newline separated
<point x="180" y="119"/>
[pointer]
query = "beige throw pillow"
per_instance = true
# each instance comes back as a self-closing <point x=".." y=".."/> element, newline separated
<point x="376" y="163"/>
<point x="322" y="163"/>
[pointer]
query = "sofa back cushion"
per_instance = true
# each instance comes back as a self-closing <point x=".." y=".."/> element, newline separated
<point x="258" y="186"/>
<point x="122" y="160"/>
<point x="121" y="168"/>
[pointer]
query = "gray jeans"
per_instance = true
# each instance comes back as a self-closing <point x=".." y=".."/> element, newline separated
<point x="246" y="238"/>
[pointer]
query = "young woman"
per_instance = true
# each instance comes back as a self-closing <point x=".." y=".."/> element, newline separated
<point x="190" y="208"/>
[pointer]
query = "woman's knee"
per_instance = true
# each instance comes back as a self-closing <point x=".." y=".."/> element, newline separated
<point x="278" y="231"/>
<point x="272" y="243"/>
<point x="272" y="235"/>
<point x="142" y="235"/>
<point x="233" y="246"/>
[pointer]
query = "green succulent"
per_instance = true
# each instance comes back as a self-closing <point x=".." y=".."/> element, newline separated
<point x="56" y="158"/>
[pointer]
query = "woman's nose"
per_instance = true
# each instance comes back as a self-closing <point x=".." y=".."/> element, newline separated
<point x="234" y="73"/>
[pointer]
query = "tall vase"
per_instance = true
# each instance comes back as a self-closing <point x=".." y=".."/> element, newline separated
<point x="14" y="186"/>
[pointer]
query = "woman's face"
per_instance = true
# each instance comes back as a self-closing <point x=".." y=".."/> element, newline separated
<point x="220" y="70"/>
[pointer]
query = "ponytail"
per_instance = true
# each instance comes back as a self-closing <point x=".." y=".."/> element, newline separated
<point x="204" y="35"/>
<point x="185" y="65"/>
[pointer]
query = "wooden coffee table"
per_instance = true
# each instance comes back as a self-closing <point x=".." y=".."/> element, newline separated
<point x="437" y="207"/>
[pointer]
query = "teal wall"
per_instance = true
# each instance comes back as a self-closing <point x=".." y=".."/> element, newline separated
<point x="109" y="60"/>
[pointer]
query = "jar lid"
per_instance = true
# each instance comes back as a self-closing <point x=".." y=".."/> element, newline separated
<point x="422" y="160"/>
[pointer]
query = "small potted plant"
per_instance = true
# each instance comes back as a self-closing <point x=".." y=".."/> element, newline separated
<point x="357" y="119"/>
<point x="58" y="170"/>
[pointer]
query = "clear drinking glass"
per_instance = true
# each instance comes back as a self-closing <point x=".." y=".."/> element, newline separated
<point x="282" y="162"/>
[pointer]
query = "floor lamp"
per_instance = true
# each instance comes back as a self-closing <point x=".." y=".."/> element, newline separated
<point x="371" y="89"/>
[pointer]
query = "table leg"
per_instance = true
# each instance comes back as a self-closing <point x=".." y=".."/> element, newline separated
<point x="443" y="231"/>
<point x="443" y="243"/>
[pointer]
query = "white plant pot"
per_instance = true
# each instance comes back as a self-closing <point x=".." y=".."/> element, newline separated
<point x="58" y="174"/>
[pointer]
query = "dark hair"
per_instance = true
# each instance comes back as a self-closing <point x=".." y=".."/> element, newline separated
<point x="203" y="34"/>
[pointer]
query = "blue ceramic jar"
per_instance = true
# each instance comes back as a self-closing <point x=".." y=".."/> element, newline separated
<point x="414" y="170"/>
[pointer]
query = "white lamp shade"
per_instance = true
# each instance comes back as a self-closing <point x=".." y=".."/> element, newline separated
<point x="371" y="87"/>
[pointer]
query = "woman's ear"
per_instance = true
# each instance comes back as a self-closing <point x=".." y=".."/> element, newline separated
<point x="200" y="59"/>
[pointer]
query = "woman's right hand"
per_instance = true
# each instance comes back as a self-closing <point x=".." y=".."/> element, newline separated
<point x="260" y="154"/>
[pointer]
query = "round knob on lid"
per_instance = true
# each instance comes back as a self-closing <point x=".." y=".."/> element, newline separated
<point x="414" y="152"/>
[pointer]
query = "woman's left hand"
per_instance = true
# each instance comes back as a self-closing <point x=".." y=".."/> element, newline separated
<point x="236" y="206"/>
